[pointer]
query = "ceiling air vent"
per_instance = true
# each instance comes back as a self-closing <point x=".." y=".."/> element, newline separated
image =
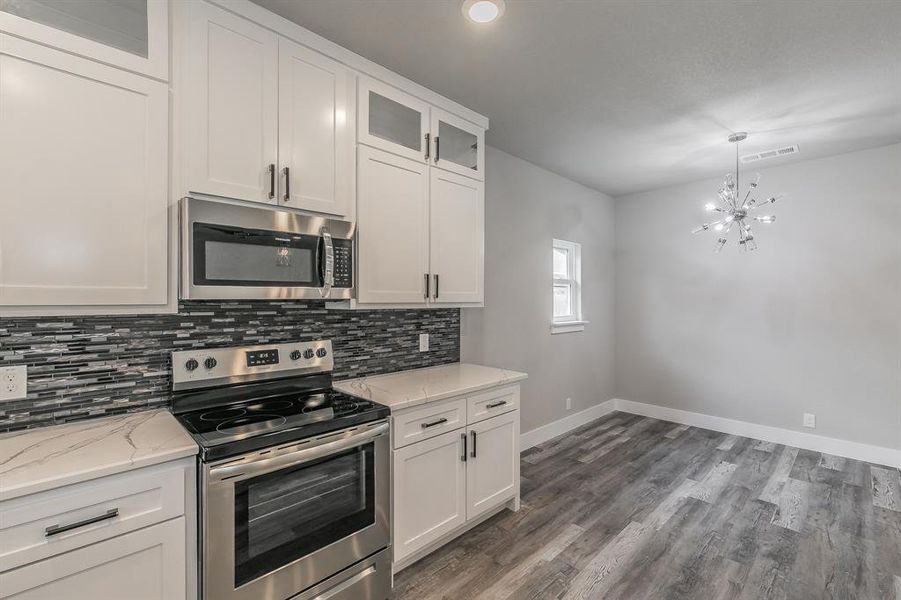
<point x="793" y="149"/>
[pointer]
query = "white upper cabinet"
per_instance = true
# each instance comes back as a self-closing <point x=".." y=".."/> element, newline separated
<point x="393" y="239"/>
<point x="457" y="240"/>
<point x="130" y="34"/>
<point x="231" y="100"/>
<point x="458" y="145"/>
<point x="393" y="121"/>
<point x="315" y="137"/>
<point x="83" y="172"/>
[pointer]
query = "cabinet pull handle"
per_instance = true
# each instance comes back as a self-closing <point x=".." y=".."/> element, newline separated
<point x="427" y="279"/>
<point x="436" y="286"/>
<point x="433" y="423"/>
<point x="287" y="173"/>
<point x="474" y="438"/>
<point x="428" y="145"/>
<point x="57" y="529"/>
<point x="437" y="150"/>
<point x="272" y="180"/>
<point x="496" y="404"/>
<point x="463" y="456"/>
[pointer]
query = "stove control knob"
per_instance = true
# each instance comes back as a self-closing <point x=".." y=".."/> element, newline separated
<point x="308" y="353"/>
<point x="191" y="364"/>
<point x="209" y="363"/>
<point x="295" y="355"/>
<point x="321" y="353"/>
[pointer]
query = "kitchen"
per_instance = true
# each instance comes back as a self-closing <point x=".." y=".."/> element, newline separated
<point x="277" y="323"/>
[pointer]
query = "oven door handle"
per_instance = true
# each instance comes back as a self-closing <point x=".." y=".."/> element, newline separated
<point x="323" y="447"/>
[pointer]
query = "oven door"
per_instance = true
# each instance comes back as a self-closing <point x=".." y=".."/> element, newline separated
<point x="279" y="521"/>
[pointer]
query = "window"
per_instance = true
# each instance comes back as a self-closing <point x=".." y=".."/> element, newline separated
<point x="567" y="268"/>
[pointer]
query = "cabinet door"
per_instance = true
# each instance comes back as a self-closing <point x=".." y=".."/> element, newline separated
<point x="392" y="120"/>
<point x="83" y="177"/>
<point x="493" y="466"/>
<point x="459" y="145"/>
<point x="231" y="105"/>
<point x="133" y="35"/>
<point x="392" y="228"/>
<point x="457" y="218"/>
<point x="148" y="564"/>
<point x="429" y="492"/>
<point x="316" y="142"/>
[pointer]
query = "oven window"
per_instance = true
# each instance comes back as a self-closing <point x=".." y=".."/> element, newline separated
<point x="286" y="515"/>
<point x="231" y="256"/>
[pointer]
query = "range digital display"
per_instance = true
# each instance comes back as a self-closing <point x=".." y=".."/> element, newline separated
<point x="257" y="358"/>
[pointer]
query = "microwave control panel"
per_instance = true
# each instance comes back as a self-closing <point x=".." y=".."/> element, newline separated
<point x="344" y="263"/>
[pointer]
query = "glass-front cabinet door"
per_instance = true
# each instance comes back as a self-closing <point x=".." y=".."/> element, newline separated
<point x="130" y="34"/>
<point x="459" y="145"/>
<point x="393" y="121"/>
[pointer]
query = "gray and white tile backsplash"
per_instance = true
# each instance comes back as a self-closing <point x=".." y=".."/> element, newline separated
<point x="80" y="367"/>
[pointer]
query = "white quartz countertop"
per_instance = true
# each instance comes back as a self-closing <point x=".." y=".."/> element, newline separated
<point x="406" y="389"/>
<point x="35" y="460"/>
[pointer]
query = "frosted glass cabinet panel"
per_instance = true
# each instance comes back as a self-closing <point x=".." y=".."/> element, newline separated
<point x="131" y="34"/>
<point x="459" y="145"/>
<point x="393" y="121"/>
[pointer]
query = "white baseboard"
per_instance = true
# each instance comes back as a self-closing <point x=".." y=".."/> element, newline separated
<point x="561" y="426"/>
<point x="808" y="441"/>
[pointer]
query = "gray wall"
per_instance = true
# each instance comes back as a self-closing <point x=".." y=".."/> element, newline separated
<point x="526" y="207"/>
<point x="811" y="322"/>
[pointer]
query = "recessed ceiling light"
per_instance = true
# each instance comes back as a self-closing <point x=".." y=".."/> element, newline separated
<point x="483" y="11"/>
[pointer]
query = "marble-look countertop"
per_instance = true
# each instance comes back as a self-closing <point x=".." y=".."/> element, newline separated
<point x="407" y="389"/>
<point x="35" y="460"/>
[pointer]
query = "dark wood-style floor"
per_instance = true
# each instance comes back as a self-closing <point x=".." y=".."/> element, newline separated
<point x="631" y="507"/>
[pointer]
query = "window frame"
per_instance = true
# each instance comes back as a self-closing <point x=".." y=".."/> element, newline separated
<point x="574" y="321"/>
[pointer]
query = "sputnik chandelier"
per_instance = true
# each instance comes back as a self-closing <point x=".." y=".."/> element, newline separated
<point x="737" y="212"/>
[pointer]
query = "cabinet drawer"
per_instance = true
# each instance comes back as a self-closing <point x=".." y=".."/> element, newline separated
<point x="428" y="421"/>
<point x="108" y="507"/>
<point x="493" y="402"/>
<point x="148" y="564"/>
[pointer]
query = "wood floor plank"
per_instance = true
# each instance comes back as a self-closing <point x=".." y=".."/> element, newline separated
<point x="727" y="442"/>
<point x="675" y="432"/>
<point x="694" y="515"/>
<point x="886" y="488"/>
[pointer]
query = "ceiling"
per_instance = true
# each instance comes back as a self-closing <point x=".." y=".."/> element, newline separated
<point x="629" y="96"/>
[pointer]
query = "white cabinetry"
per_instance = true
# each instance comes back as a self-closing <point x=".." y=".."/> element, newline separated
<point x="148" y="564"/>
<point x="449" y="482"/>
<point x="120" y="536"/>
<point x="393" y="202"/>
<point x="429" y="491"/>
<point x="83" y="171"/>
<point x="231" y="97"/>
<point x="408" y="138"/>
<point x="268" y="120"/>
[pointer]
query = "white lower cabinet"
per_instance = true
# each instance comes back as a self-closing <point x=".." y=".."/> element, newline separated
<point x="447" y="483"/>
<point x="147" y="564"/>
<point x="493" y="466"/>
<point x="429" y="491"/>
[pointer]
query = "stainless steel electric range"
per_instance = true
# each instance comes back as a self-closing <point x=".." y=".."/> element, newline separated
<point x="293" y="475"/>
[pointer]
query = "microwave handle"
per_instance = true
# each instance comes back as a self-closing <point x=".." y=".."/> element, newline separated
<point x="328" y="264"/>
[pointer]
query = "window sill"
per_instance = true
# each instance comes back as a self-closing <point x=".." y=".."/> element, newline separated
<point x="568" y="327"/>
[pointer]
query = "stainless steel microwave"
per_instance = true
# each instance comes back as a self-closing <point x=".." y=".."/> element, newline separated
<point x="230" y="251"/>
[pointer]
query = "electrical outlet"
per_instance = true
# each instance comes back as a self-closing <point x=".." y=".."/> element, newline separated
<point x="810" y="420"/>
<point x="423" y="342"/>
<point x="569" y="403"/>
<point x="13" y="382"/>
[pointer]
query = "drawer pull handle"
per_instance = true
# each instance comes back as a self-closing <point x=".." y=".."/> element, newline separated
<point x="496" y="404"/>
<point x="57" y="529"/>
<point x="433" y="423"/>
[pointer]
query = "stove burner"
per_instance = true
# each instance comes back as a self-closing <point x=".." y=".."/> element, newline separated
<point x="223" y="415"/>
<point x="271" y="421"/>
<point x="267" y="405"/>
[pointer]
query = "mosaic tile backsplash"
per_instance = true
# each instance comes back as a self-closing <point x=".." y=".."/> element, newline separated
<point x="81" y="367"/>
